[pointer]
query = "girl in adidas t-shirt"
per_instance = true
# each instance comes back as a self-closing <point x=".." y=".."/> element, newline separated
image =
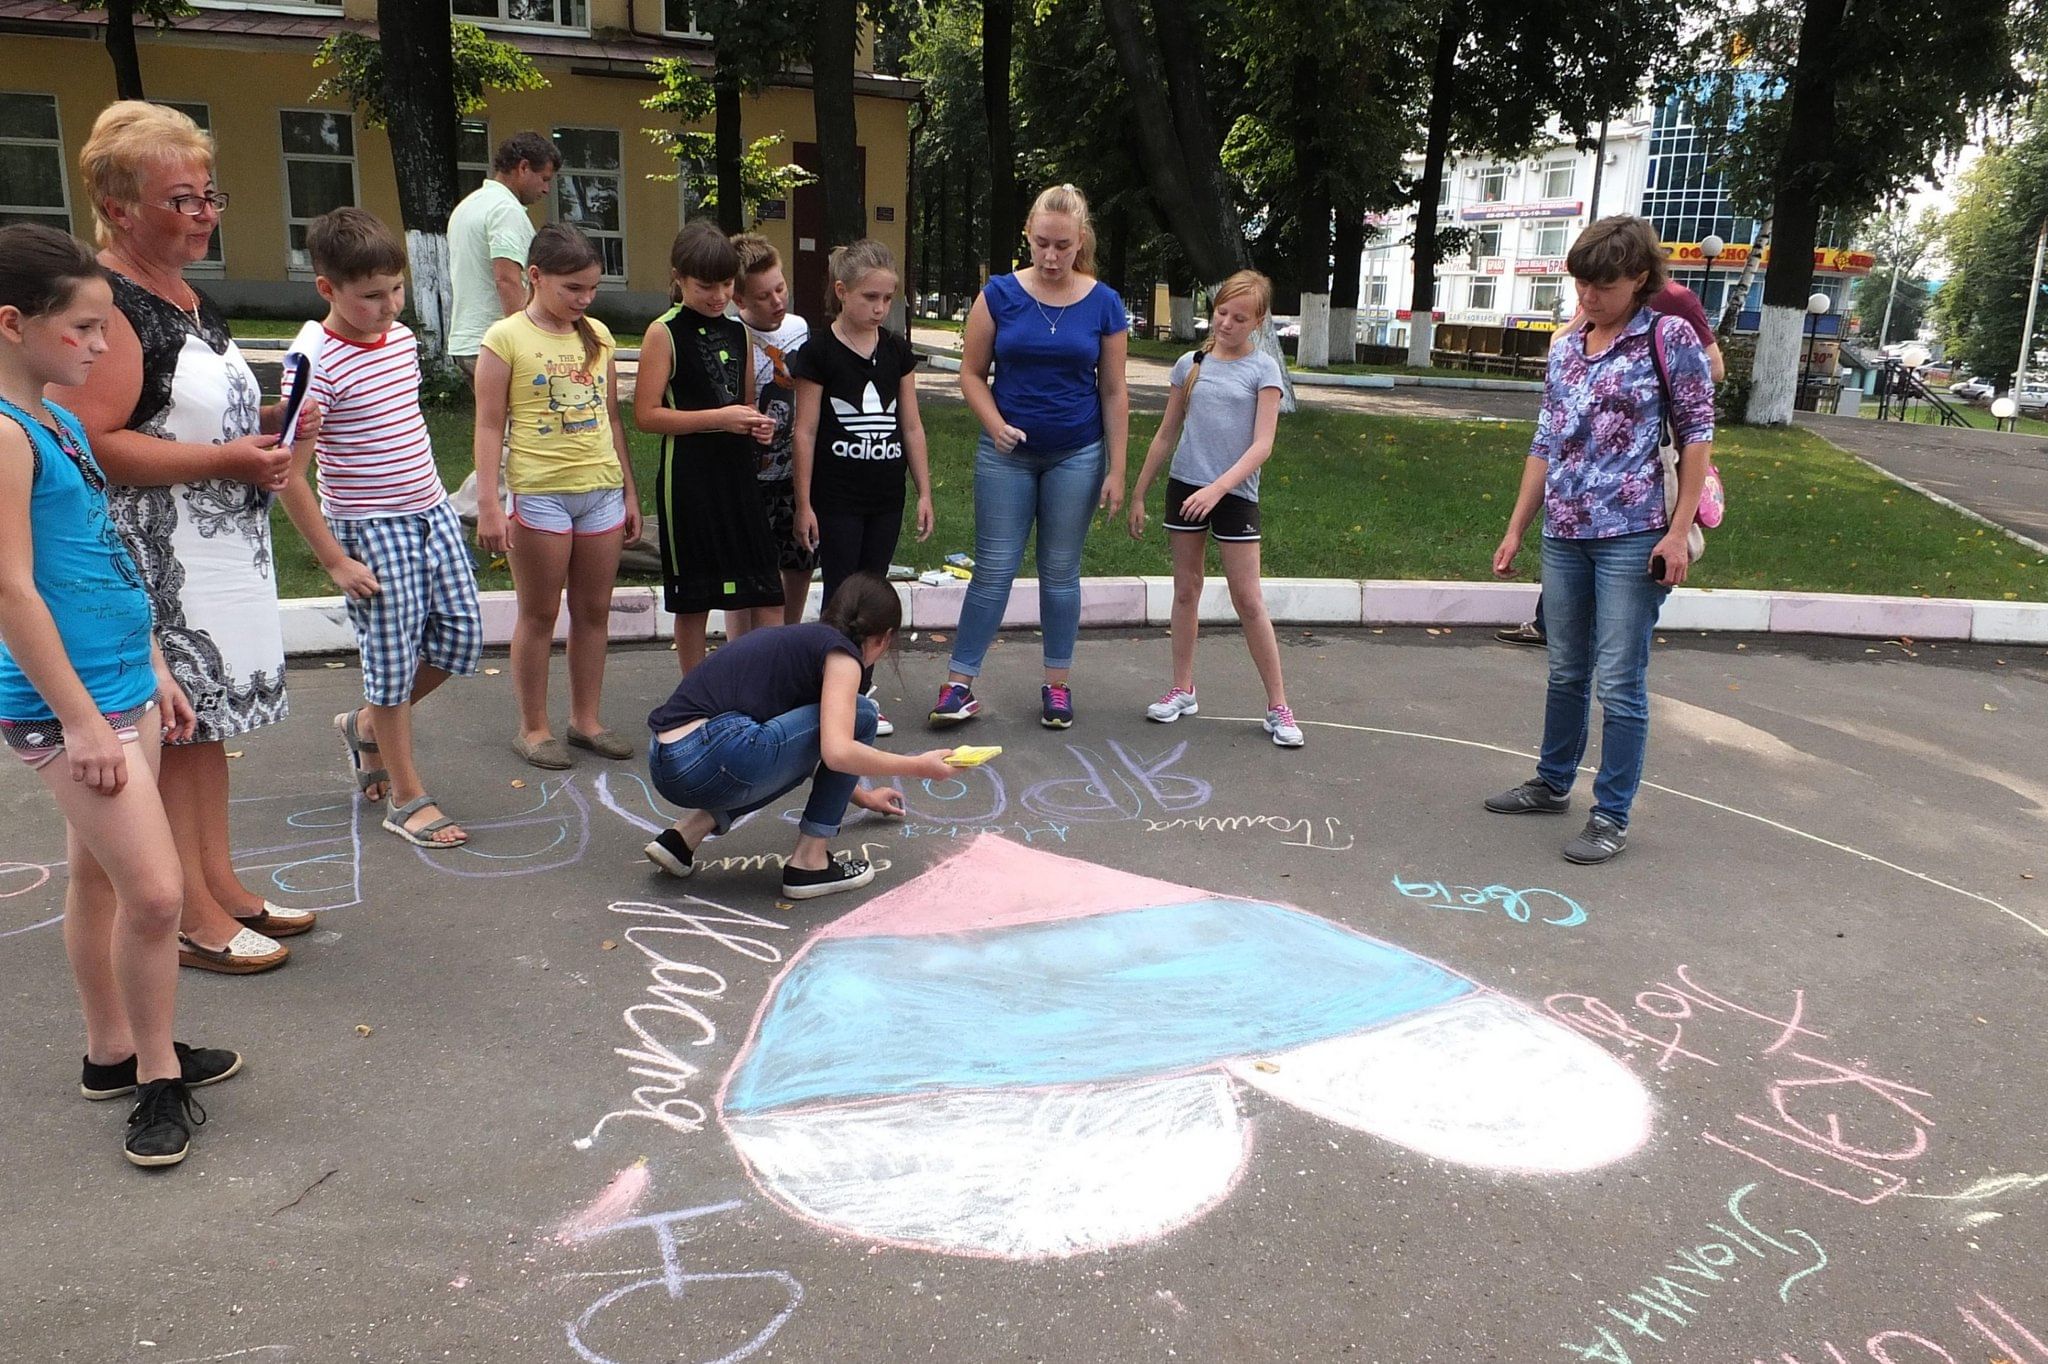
<point x="856" y="428"/>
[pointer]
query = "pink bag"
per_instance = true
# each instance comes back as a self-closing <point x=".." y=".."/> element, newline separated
<point x="1713" y="496"/>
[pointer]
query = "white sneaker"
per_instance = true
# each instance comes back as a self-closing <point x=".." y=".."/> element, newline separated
<point x="1172" y="706"/>
<point x="1280" y="724"/>
<point x="884" y="727"/>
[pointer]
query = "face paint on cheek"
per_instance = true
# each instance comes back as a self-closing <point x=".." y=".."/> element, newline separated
<point x="70" y="341"/>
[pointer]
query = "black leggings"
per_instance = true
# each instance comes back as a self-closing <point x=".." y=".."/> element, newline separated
<point x="856" y="542"/>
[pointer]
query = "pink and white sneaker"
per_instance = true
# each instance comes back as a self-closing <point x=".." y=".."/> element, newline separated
<point x="1172" y="706"/>
<point x="1280" y="724"/>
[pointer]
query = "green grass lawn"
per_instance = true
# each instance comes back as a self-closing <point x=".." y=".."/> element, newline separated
<point x="1356" y="496"/>
<point x="1978" y="417"/>
<point x="264" y="328"/>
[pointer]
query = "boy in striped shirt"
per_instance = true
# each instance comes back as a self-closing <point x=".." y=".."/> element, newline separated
<point x="382" y="527"/>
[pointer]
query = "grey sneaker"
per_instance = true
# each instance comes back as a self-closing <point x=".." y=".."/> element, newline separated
<point x="1532" y="797"/>
<point x="1172" y="706"/>
<point x="1600" y="841"/>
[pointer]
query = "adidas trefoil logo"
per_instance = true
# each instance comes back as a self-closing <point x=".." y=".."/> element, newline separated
<point x="873" y="426"/>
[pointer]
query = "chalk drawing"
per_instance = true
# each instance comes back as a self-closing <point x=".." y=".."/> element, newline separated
<point x="1021" y="1055"/>
<point x="1105" y="792"/>
<point x="556" y="829"/>
<point x="1817" y="1101"/>
<point x="677" y="1283"/>
<point x="322" y="869"/>
<point x="1297" y="831"/>
<point x="25" y="878"/>
<point x="1519" y="905"/>
<point x="1668" y="1302"/>
<point x="1993" y="1323"/>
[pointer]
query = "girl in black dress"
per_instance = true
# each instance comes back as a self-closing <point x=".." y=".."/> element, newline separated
<point x="696" y="390"/>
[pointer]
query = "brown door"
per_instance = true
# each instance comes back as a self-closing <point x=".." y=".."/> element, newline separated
<point x="809" y="282"/>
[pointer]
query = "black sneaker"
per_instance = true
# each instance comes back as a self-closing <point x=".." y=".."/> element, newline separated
<point x="1525" y="633"/>
<point x="200" y="1066"/>
<point x="849" y="873"/>
<point x="670" y="853"/>
<point x="1056" y="705"/>
<point x="1532" y="797"/>
<point x="160" y="1128"/>
<point x="1602" y="840"/>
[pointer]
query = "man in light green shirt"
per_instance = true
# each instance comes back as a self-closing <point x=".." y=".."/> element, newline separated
<point x="488" y="235"/>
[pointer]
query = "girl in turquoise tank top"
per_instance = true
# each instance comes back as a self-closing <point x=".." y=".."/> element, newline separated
<point x="85" y="697"/>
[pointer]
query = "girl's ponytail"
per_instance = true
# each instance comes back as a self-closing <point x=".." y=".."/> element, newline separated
<point x="1238" y="285"/>
<point x="559" y="249"/>
<point x="864" y="607"/>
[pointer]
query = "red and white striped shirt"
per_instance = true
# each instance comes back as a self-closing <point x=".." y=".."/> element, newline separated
<point x="373" y="452"/>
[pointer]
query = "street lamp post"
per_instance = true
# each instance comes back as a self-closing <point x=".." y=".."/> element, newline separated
<point x="2005" y="414"/>
<point x="1711" y="247"/>
<point x="1816" y="304"/>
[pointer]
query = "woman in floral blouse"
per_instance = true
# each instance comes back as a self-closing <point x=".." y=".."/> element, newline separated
<point x="1611" y="552"/>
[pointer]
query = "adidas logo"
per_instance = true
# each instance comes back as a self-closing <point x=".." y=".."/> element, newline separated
<point x="872" y="419"/>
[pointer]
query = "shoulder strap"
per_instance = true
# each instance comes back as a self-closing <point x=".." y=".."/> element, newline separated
<point x="29" y="427"/>
<point x="1663" y="375"/>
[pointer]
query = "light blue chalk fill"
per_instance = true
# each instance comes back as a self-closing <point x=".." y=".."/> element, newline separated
<point x="1143" y="992"/>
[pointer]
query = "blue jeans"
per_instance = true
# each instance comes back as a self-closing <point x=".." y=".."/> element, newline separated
<point x="733" y="765"/>
<point x="1600" y="607"/>
<point x="1057" y="488"/>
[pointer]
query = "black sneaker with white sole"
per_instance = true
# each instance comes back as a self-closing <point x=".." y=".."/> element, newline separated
<point x="671" y="854"/>
<point x="160" y="1128"/>
<point x="1532" y="797"/>
<point x="198" y="1066"/>
<point x="849" y="873"/>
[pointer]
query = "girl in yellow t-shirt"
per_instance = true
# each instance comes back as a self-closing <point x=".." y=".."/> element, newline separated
<point x="546" y="392"/>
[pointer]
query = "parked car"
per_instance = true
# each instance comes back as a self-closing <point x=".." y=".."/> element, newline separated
<point x="2033" y="398"/>
<point x="1971" y="390"/>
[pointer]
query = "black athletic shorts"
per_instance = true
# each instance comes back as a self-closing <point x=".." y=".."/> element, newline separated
<point x="1234" y="519"/>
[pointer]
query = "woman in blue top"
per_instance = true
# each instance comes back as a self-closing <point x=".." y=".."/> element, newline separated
<point x="85" y="696"/>
<point x="1055" y="425"/>
<point x="1611" y="550"/>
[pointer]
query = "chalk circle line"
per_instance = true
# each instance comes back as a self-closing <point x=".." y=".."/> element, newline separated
<point x="1765" y="820"/>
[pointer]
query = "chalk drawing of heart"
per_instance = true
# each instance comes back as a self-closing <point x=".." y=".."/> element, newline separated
<point x="1026" y="1056"/>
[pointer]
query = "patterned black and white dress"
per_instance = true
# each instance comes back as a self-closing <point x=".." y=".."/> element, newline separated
<point x="204" y="547"/>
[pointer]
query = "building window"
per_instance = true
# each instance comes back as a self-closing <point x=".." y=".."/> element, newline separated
<point x="1481" y="298"/>
<point x="1684" y="198"/>
<point x="1553" y="239"/>
<point x="319" y="173"/>
<point x="1559" y="178"/>
<point x="32" y="188"/>
<point x="1493" y="184"/>
<point x="679" y="20"/>
<point x="589" y="192"/>
<point x="1376" y="292"/>
<point x="1486" y="241"/>
<point x="1546" y="294"/>
<point x="212" y="262"/>
<point x="472" y="156"/>
<point x="526" y="13"/>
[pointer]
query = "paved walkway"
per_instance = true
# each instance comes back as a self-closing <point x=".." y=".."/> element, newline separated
<point x="2000" y="476"/>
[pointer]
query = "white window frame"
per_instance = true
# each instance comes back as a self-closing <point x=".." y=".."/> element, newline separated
<point x="1376" y="292"/>
<point x="284" y="162"/>
<point x="44" y="211"/>
<point x="526" y="25"/>
<point x="1567" y="166"/>
<point x="565" y="170"/>
<point x="1493" y="185"/>
<point x="1492" y="286"/>
<point x="1560" y="231"/>
<point x="691" y="32"/>
<point x="1554" y="283"/>
<point x="1486" y="240"/>
<point x="299" y="8"/>
<point x="466" y="125"/>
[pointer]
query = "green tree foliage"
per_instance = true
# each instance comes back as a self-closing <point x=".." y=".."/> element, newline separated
<point x="1989" y="240"/>
<point x="481" y="65"/>
<point x="1900" y="242"/>
<point x="754" y="41"/>
<point x="943" y="51"/>
<point x="691" y="99"/>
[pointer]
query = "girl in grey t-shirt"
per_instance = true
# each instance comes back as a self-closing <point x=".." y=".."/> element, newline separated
<point x="1221" y="416"/>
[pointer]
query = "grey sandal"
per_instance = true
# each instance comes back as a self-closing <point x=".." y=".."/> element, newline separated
<point x="421" y="837"/>
<point x="366" y="777"/>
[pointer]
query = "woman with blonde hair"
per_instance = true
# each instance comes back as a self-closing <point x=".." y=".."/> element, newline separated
<point x="1612" y="548"/>
<point x="175" y="418"/>
<point x="1055" y="426"/>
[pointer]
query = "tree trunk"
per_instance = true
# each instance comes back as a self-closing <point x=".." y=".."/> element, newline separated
<point x="945" y="275"/>
<point x="834" y="38"/>
<point x="728" y="147"/>
<point x="1312" y="219"/>
<point x="1731" y="306"/>
<point x="121" y="49"/>
<point x="1796" y="207"/>
<point x="417" y="43"/>
<point x="1312" y="345"/>
<point x="1348" y="248"/>
<point x="1442" y="102"/>
<point x="997" y="21"/>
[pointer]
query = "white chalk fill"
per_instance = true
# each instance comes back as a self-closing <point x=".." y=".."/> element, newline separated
<point x="1481" y="1081"/>
<point x="1021" y="1174"/>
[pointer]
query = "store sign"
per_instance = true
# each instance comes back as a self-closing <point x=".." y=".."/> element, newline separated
<point x="1540" y="265"/>
<point x="1493" y="265"/>
<point x="1534" y="324"/>
<point x="1500" y="213"/>
<point x="1406" y="315"/>
<point x="1736" y="254"/>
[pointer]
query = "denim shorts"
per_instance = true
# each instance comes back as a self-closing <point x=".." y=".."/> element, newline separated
<point x="597" y="512"/>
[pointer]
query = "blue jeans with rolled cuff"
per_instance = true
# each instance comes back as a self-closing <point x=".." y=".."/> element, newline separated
<point x="732" y="765"/>
<point x="1059" y="490"/>
<point x="1600" y="610"/>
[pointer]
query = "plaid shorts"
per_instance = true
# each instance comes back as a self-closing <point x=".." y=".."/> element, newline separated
<point x="425" y="610"/>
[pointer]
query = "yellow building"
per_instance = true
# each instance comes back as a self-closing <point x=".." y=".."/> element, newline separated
<point x="244" y="70"/>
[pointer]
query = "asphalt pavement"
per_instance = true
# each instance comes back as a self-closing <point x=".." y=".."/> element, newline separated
<point x="1148" y="1042"/>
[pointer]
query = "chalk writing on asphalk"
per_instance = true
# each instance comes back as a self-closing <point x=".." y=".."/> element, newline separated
<point x="680" y="989"/>
<point x="1669" y="1301"/>
<point x="1302" y="832"/>
<point x="1999" y="1328"/>
<point x="1816" y="1102"/>
<point x="1523" y="906"/>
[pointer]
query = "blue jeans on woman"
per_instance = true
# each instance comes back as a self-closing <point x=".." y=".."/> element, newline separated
<point x="733" y="765"/>
<point x="1600" y="609"/>
<point x="1058" y="489"/>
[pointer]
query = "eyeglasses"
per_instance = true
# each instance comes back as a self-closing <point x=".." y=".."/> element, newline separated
<point x="192" y="205"/>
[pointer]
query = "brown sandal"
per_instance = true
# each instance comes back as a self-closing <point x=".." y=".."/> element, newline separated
<point x="275" y="921"/>
<point x="246" y="954"/>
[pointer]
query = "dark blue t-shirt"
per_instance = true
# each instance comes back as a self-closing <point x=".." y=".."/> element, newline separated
<point x="763" y="674"/>
<point x="1046" y="358"/>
